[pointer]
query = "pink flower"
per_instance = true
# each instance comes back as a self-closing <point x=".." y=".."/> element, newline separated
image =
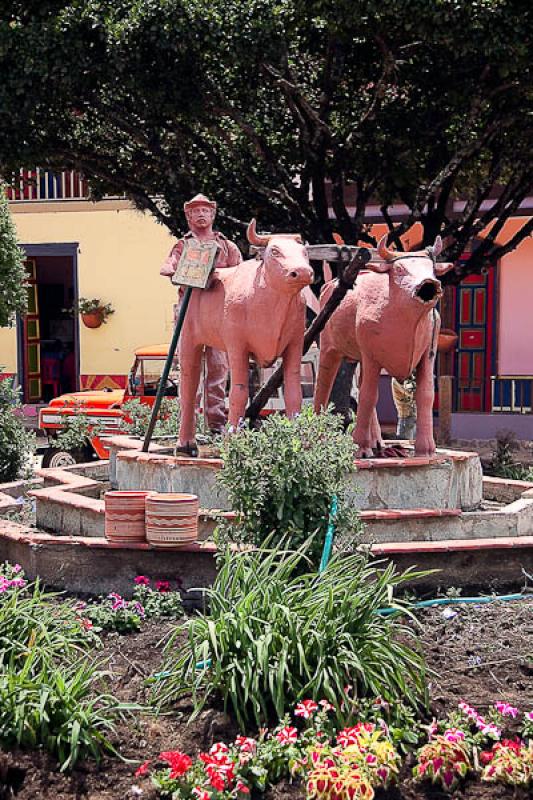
<point x="506" y="710"/>
<point x="371" y="758"/>
<point x="142" y="580"/>
<point x="529" y="715"/>
<point x="140" y="610"/>
<point x="454" y="735"/>
<point x="326" y="705"/>
<point x="383" y="773"/>
<point x="305" y="709"/>
<point x="162" y="586"/>
<point x="287" y="735"/>
<point x="242" y="788"/>
<point x="17" y="568"/>
<point x="144" y="769"/>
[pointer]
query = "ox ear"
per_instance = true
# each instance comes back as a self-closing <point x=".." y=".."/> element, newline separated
<point x="442" y="267"/>
<point x="378" y="266"/>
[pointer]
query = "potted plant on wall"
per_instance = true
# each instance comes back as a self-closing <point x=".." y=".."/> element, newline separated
<point x="94" y="312"/>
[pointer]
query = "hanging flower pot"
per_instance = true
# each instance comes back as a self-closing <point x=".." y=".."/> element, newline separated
<point x="447" y="340"/>
<point x="93" y="320"/>
<point x="93" y="312"/>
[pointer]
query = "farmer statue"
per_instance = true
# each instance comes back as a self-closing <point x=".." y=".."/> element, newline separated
<point x="200" y="213"/>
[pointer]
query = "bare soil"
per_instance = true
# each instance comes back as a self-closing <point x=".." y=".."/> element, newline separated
<point x="482" y="654"/>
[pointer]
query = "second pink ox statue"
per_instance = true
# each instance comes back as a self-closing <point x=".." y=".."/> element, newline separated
<point x="387" y="321"/>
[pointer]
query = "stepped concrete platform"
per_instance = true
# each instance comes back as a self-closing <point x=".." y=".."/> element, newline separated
<point x="448" y="480"/>
<point x="479" y="535"/>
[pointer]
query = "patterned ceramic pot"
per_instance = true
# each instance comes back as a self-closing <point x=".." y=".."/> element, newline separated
<point x="125" y="516"/>
<point x="171" y="519"/>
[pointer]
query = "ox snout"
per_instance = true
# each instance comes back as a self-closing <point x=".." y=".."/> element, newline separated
<point x="428" y="291"/>
<point x="301" y="276"/>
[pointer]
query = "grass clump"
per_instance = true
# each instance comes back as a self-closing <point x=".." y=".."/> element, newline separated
<point x="50" y="692"/>
<point x="276" y="634"/>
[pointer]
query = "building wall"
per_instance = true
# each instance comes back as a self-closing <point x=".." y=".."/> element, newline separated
<point x="515" y="308"/>
<point x="119" y="255"/>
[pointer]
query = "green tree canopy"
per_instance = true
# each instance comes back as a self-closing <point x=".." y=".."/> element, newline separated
<point x="281" y="109"/>
<point x="13" y="295"/>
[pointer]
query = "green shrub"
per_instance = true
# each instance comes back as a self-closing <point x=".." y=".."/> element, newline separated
<point x="77" y="431"/>
<point x="282" y="478"/>
<point x="112" y="613"/>
<point x="138" y="418"/>
<point x="13" y="297"/>
<point x="274" y="636"/>
<point x="17" y="444"/>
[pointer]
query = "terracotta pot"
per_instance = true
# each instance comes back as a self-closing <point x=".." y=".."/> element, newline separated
<point x="171" y="519"/>
<point x="92" y="320"/>
<point x="125" y="517"/>
<point x="447" y="340"/>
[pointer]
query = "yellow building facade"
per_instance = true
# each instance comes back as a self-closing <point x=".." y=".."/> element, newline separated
<point x="105" y="250"/>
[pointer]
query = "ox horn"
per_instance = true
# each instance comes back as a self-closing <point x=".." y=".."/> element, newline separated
<point x="437" y="247"/>
<point x="257" y="239"/>
<point x="383" y="251"/>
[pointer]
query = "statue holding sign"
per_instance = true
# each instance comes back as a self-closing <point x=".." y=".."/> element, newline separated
<point x="190" y="263"/>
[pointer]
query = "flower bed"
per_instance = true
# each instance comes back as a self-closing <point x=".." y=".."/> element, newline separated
<point x="475" y="651"/>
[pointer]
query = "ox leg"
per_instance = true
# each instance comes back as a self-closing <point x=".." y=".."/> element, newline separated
<point x="425" y="394"/>
<point x="375" y="431"/>
<point x="238" y="395"/>
<point x="365" y="432"/>
<point x="292" y="380"/>
<point x="190" y="367"/>
<point x="328" y="366"/>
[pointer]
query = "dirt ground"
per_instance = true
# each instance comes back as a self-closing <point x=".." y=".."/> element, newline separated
<point x="481" y="654"/>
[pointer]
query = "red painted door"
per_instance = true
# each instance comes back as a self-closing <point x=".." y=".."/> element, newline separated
<point x="32" y="339"/>
<point x="474" y="324"/>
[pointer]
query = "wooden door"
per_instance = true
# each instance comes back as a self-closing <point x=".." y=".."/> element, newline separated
<point x="31" y="336"/>
<point x="475" y="326"/>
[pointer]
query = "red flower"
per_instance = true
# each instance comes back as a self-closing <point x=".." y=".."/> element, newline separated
<point x="486" y="756"/>
<point x="305" y="709"/>
<point x="179" y="762"/>
<point x="144" y="769"/>
<point x="245" y="744"/>
<point x="287" y="735"/>
<point x="216" y="780"/>
<point x="242" y="788"/>
<point x="142" y="580"/>
<point x="162" y="586"/>
<point x="200" y="793"/>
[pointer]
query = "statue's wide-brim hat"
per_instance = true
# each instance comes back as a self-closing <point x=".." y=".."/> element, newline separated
<point x="199" y="200"/>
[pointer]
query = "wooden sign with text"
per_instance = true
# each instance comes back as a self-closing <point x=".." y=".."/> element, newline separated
<point x="196" y="263"/>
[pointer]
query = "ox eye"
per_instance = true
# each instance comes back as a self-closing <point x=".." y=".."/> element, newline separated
<point x="275" y="251"/>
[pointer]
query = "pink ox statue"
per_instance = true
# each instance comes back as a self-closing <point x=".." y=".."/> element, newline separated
<point x="254" y="309"/>
<point x="388" y="320"/>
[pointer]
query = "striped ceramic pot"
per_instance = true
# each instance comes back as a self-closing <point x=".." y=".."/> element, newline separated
<point x="124" y="517"/>
<point x="171" y="519"/>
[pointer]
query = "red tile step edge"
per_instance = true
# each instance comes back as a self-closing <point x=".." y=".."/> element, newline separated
<point x="452" y="545"/>
<point x="393" y="514"/>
